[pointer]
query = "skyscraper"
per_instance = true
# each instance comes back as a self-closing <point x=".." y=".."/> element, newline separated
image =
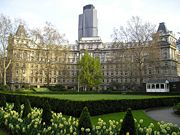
<point x="88" y="22"/>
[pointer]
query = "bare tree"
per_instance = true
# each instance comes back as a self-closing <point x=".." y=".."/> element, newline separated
<point x="1" y="69"/>
<point x="140" y="45"/>
<point x="5" y="30"/>
<point x="49" y="46"/>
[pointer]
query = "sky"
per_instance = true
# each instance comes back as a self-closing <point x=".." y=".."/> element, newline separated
<point x="111" y="14"/>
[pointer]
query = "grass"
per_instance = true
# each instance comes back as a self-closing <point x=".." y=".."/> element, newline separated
<point x="41" y="89"/>
<point x="84" y="97"/>
<point x="3" y="132"/>
<point x="90" y="97"/>
<point x="45" y="92"/>
<point x="138" y="114"/>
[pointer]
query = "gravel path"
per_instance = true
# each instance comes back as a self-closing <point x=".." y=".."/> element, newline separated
<point x="164" y="114"/>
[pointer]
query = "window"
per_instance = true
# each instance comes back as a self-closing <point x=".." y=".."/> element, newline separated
<point x="31" y="79"/>
<point x="153" y="86"/>
<point x="40" y="80"/>
<point x="125" y="73"/>
<point x="162" y="86"/>
<point x="54" y="72"/>
<point x="17" y="72"/>
<point x="157" y="86"/>
<point x="17" y="64"/>
<point x="150" y="72"/>
<point x="23" y="79"/>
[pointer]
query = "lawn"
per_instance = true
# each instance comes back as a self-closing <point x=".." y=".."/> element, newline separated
<point x="3" y="132"/>
<point x="90" y="97"/>
<point x="138" y="114"/>
<point x="44" y="92"/>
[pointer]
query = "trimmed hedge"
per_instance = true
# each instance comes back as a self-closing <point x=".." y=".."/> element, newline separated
<point x="128" y="124"/>
<point x="4" y="87"/>
<point x="47" y="114"/>
<point x="97" y="107"/>
<point x="84" y="121"/>
<point x="27" y="108"/>
<point x="176" y="108"/>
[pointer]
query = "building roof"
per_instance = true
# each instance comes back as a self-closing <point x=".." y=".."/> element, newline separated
<point x="21" y="31"/>
<point x="161" y="81"/>
<point x="90" y="6"/>
<point x="162" y="28"/>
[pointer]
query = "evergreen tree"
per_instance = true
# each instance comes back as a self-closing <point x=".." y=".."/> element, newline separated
<point x="46" y="115"/>
<point x="2" y="101"/>
<point x="27" y="108"/>
<point x="90" y="74"/>
<point x="84" y="121"/>
<point x="128" y="124"/>
<point x="17" y="106"/>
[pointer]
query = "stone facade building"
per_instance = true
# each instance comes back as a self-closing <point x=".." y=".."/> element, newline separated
<point x="31" y="66"/>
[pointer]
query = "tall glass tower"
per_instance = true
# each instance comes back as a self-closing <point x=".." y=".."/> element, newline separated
<point x="88" y="22"/>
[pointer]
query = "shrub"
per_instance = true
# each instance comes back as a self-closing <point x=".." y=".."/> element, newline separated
<point x="4" y="87"/>
<point x="84" y="121"/>
<point x="2" y="101"/>
<point x="95" y="107"/>
<point x="176" y="108"/>
<point x="17" y="106"/>
<point x="27" y="108"/>
<point x="47" y="114"/>
<point x="26" y="86"/>
<point x="128" y="124"/>
<point x="57" y="87"/>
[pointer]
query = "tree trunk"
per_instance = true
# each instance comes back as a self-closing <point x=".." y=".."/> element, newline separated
<point x="4" y="72"/>
<point x="140" y="75"/>
<point x="4" y="77"/>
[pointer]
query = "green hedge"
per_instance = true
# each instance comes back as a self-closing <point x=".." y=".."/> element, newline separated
<point x="98" y="107"/>
<point x="176" y="108"/>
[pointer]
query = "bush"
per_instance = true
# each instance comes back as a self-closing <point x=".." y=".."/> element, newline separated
<point x="176" y="108"/>
<point x="17" y="106"/>
<point x="26" y="86"/>
<point x="128" y="124"/>
<point x="47" y="114"/>
<point x="27" y="108"/>
<point x="58" y="87"/>
<point x="4" y="87"/>
<point x="96" y="107"/>
<point x="2" y="101"/>
<point x="84" y="121"/>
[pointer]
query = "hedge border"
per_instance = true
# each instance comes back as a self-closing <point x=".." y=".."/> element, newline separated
<point x="97" y="107"/>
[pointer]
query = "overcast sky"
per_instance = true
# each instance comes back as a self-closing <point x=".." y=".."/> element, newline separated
<point x="111" y="13"/>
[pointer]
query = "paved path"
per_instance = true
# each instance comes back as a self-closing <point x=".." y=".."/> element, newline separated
<point x="164" y="114"/>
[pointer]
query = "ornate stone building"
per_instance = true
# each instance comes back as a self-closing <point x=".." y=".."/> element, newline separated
<point x="33" y="66"/>
<point x="30" y="66"/>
